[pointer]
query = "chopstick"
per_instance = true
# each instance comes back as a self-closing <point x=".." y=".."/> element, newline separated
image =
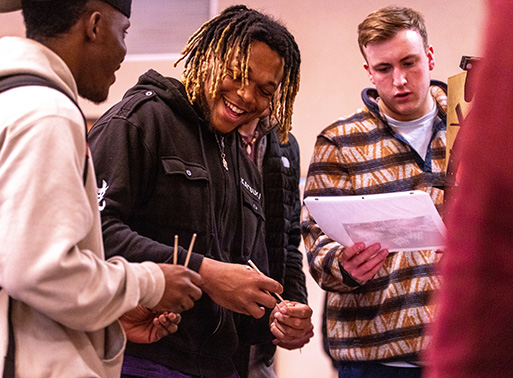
<point x="188" y="257"/>
<point x="175" y="254"/>
<point x="190" y="250"/>
<point x="252" y="264"/>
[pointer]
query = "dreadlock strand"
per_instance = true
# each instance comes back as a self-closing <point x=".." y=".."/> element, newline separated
<point x="245" y="67"/>
<point x="292" y="93"/>
<point x="220" y="43"/>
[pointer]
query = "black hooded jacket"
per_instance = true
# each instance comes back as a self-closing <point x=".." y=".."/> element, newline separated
<point x="160" y="174"/>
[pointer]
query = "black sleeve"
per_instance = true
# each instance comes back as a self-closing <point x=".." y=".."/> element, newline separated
<point x="125" y="167"/>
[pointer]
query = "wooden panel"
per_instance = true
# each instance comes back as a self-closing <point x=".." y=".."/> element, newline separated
<point x="457" y="108"/>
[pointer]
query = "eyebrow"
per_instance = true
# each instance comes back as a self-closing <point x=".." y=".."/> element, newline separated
<point x="270" y="82"/>
<point x="410" y="56"/>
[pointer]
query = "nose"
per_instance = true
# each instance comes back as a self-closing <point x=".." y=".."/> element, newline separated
<point x="247" y="93"/>
<point x="399" y="77"/>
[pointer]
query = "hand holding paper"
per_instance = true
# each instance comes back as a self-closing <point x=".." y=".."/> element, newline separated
<point x="401" y="221"/>
<point x="363" y="262"/>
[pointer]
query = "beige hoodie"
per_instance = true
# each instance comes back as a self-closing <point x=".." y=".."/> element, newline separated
<point x="67" y="299"/>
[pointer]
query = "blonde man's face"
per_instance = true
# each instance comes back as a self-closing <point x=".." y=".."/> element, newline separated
<point x="400" y="70"/>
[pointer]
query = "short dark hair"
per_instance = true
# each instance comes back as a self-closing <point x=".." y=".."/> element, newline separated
<point x="384" y="24"/>
<point x="49" y="19"/>
<point x="229" y="35"/>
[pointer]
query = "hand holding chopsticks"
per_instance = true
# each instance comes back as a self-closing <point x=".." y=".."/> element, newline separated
<point x="182" y="284"/>
<point x="252" y="264"/>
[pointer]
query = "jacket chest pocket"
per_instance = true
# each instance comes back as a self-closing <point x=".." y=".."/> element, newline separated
<point x="190" y="171"/>
<point x="184" y="189"/>
<point x="253" y="204"/>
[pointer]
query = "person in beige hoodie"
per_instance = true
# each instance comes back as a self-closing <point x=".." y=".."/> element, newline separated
<point x="65" y="298"/>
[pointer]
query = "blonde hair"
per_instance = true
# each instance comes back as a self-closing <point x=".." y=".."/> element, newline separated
<point x="385" y="23"/>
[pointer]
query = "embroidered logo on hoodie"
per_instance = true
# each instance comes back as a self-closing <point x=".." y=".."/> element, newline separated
<point x="101" y="194"/>
<point x="251" y="190"/>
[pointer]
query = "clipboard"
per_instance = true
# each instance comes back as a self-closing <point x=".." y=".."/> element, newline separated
<point x="400" y="221"/>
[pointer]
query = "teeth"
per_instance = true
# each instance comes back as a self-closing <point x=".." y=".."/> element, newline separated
<point x="233" y="108"/>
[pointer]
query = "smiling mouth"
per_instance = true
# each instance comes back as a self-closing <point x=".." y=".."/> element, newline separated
<point x="238" y="111"/>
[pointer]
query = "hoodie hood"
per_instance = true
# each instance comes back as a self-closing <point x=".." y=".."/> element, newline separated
<point x="23" y="55"/>
<point x="170" y="91"/>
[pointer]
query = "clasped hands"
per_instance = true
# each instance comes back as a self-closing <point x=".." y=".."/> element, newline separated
<point x="291" y="324"/>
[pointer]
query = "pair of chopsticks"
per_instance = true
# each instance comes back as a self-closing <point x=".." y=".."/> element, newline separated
<point x="175" y="252"/>
<point x="252" y="264"/>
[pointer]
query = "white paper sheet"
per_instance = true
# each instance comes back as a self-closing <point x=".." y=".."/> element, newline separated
<point x="401" y="221"/>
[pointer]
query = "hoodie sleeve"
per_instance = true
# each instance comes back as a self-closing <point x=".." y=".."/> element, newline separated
<point x="326" y="175"/>
<point x="52" y="257"/>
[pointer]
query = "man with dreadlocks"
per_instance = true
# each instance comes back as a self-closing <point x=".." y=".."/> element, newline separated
<point x="170" y="163"/>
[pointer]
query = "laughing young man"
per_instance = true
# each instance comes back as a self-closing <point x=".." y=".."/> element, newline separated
<point x="379" y="302"/>
<point x="171" y="164"/>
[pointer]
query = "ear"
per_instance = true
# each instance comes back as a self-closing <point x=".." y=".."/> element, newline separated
<point x="93" y="26"/>
<point x="369" y="73"/>
<point x="430" y="52"/>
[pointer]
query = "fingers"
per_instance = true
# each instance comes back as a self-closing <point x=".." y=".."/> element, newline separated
<point x="266" y="286"/>
<point x="293" y="344"/>
<point x="363" y="262"/>
<point x="238" y="288"/>
<point x="273" y="286"/>
<point x="181" y="305"/>
<point x="254" y="302"/>
<point x="255" y="310"/>
<point x="195" y="292"/>
<point x="169" y="318"/>
<point x="195" y="278"/>
<point x="264" y="298"/>
<point x="291" y="338"/>
<point x="292" y="325"/>
<point x="260" y="296"/>
<point x="167" y="323"/>
<point x="270" y="285"/>
<point x="293" y="314"/>
<point x="192" y="283"/>
<point x="183" y="288"/>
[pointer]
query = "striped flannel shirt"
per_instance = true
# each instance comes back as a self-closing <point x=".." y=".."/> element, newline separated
<point x="382" y="319"/>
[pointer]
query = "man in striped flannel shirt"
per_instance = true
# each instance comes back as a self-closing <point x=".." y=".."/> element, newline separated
<point x="379" y="303"/>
